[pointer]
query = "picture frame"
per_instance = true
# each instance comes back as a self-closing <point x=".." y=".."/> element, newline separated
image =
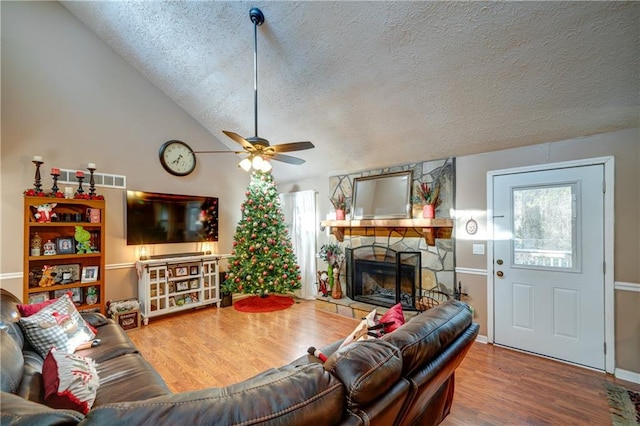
<point x="193" y="270"/>
<point x="67" y="274"/>
<point x="194" y="284"/>
<point x="182" y="285"/>
<point x="169" y="272"/>
<point x="38" y="297"/>
<point x="181" y="271"/>
<point x="65" y="245"/>
<point x="172" y="287"/>
<point x="76" y="294"/>
<point x="172" y="301"/>
<point x="90" y="274"/>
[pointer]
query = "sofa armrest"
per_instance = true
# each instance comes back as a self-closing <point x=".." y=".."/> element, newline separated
<point x="18" y="411"/>
<point x="289" y="395"/>
<point x="96" y="319"/>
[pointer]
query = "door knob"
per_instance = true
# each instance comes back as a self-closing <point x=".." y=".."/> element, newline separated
<point x="500" y="274"/>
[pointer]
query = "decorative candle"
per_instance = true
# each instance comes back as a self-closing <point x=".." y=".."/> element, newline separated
<point x="79" y="174"/>
<point x="91" y="166"/>
<point x="37" y="158"/>
<point x="55" y="171"/>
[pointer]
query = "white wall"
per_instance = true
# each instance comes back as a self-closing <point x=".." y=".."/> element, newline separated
<point x="70" y="98"/>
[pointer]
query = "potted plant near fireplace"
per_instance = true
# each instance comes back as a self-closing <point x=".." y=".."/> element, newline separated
<point x="334" y="256"/>
<point x="429" y="197"/>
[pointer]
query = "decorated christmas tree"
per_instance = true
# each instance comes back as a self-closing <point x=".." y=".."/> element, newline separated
<point x="263" y="260"/>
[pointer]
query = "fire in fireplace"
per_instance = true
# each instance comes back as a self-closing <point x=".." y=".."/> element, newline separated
<point x="382" y="276"/>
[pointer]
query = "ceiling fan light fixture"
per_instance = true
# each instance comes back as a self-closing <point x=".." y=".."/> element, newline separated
<point x="257" y="162"/>
<point x="245" y="164"/>
<point x="266" y="166"/>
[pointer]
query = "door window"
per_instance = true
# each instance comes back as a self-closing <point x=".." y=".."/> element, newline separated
<point x="544" y="227"/>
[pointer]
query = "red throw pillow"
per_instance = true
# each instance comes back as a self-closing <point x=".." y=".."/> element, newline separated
<point x="70" y="381"/>
<point x="395" y="316"/>
<point x="28" y="310"/>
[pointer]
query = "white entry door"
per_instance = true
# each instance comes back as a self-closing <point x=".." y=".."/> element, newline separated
<point x="548" y="263"/>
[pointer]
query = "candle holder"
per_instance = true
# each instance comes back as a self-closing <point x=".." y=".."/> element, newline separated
<point x="80" y="179"/>
<point x="54" y="188"/>
<point x="37" y="184"/>
<point x="92" y="183"/>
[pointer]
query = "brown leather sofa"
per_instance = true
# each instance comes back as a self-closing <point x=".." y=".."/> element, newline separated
<point x="404" y="378"/>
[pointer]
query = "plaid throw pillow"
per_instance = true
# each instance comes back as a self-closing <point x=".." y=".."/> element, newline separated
<point x="58" y="325"/>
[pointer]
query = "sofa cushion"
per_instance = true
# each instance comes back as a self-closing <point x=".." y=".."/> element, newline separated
<point x="57" y="325"/>
<point x="11" y="363"/>
<point x="367" y="369"/>
<point x="9" y="316"/>
<point x="18" y="411"/>
<point x="128" y="378"/>
<point x="70" y="381"/>
<point x="427" y="334"/>
<point x="114" y="343"/>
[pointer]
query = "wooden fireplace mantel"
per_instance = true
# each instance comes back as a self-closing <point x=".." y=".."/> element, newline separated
<point x="429" y="229"/>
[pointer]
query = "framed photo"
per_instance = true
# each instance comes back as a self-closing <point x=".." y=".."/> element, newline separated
<point x="182" y="285"/>
<point x="89" y="274"/>
<point x="170" y="272"/>
<point x="194" y="284"/>
<point x="65" y="245"/>
<point x="39" y="297"/>
<point x="193" y="270"/>
<point x="67" y="274"/>
<point x="172" y="287"/>
<point x="76" y="294"/>
<point x="172" y="301"/>
<point x="181" y="271"/>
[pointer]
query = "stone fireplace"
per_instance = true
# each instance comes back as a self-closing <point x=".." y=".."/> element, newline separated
<point x="383" y="277"/>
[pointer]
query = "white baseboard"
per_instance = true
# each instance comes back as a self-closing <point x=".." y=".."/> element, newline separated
<point x="482" y="339"/>
<point x="629" y="376"/>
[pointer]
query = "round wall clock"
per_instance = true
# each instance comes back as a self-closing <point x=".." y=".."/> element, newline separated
<point x="471" y="226"/>
<point x="177" y="158"/>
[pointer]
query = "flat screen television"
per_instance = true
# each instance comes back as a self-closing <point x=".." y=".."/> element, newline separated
<point x="155" y="218"/>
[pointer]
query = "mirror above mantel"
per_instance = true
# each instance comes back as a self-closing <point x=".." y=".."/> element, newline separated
<point x="385" y="196"/>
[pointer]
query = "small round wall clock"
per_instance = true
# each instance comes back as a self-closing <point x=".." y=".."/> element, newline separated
<point x="471" y="226"/>
<point x="177" y="158"/>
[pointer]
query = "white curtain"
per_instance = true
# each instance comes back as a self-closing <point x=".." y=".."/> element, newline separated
<point x="299" y="210"/>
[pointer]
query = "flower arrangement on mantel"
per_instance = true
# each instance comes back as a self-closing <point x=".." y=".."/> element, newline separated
<point x="428" y="195"/>
<point x="332" y="254"/>
<point x="339" y="202"/>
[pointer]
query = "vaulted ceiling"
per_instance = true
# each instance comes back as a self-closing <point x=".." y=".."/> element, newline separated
<point x="375" y="84"/>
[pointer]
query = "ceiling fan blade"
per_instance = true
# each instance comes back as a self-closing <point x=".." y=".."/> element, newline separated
<point x="287" y="159"/>
<point x="219" y="152"/>
<point x="293" y="146"/>
<point x="242" y="141"/>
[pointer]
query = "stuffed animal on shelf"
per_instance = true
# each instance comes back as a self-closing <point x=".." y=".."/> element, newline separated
<point x="83" y="236"/>
<point x="48" y="276"/>
<point x="45" y="212"/>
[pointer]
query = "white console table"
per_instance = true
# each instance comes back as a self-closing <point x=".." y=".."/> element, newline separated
<point x="171" y="284"/>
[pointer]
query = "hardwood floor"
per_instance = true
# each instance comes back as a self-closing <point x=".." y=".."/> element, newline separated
<point x="214" y="347"/>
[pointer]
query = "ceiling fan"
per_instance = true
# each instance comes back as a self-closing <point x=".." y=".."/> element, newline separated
<point x="255" y="146"/>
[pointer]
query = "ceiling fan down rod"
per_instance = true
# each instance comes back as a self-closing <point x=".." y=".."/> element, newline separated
<point x="257" y="18"/>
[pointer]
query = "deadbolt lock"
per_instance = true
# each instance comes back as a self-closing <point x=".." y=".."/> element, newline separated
<point x="499" y="262"/>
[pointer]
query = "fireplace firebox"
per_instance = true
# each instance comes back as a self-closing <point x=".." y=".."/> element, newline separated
<point x="383" y="277"/>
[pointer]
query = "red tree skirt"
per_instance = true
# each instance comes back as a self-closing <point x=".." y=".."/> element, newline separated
<point x="263" y="304"/>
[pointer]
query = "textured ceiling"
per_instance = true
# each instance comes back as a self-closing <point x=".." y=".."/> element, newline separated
<point x="376" y="84"/>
